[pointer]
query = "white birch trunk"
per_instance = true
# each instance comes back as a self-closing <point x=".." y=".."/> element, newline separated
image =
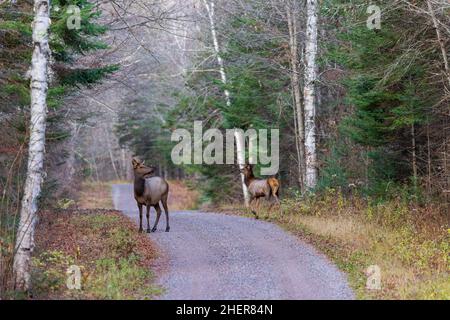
<point x="35" y="174"/>
<point x="240" y="150"/>
<point x="309" y="93"/>
<point x="239" y="146"/>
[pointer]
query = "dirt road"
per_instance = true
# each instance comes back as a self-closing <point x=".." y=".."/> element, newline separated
<point x="215" y="256"/>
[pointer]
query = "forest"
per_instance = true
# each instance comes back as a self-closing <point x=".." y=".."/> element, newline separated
<point x="358" y="92"/>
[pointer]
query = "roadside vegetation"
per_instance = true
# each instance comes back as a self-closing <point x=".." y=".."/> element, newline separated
<point x="410" y="243"/>
<point x="182" y="196"/>
<point x="115" y="261"/>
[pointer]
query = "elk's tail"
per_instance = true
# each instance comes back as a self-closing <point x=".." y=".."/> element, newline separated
<point x="274" y="187"/>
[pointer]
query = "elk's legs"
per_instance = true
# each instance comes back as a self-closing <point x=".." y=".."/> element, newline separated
<point x="148" y="219"/>
<point x="140" y="217"/>
<point x="158" y="215"/>
<point x="166" y="211"/>
<point x="277" y="200"/>
<point x="252" y="199"/>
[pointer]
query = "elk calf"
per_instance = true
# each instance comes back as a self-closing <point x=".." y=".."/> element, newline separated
<point x="259" y="188"/>
<point x="149" y="190"/>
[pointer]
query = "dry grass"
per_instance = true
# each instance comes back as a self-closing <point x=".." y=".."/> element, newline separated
<point x="409" y="243"/>
<point x="181" y="196"/>
<point x="95" y="195"/>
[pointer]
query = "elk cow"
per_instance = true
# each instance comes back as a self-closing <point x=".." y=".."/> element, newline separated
<point x="259" y="188"/>
<point x="149" y="190"/>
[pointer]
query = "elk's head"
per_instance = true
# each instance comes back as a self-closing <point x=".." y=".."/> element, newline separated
<point x="140" y="169"/>
<point x="247" y="170"/>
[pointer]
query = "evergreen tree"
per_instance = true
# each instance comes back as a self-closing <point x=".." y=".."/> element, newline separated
<point x="387" y="87"/>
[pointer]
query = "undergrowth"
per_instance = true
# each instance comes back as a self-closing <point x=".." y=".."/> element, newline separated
<point x="113" y="258"/>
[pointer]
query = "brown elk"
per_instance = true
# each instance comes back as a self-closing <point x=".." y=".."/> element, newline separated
<point x="149" y="190"/>
<point x="259" y="188"/>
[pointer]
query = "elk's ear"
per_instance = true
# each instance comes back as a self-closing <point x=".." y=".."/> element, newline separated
<point x="135" y="162"/>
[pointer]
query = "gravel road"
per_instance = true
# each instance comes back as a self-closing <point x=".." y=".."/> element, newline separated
<point x="215" y="256"/>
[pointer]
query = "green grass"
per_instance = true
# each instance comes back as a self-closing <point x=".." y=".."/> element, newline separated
<point x="115" y="279"/>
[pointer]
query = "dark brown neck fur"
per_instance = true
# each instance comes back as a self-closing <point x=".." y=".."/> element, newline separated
<point x="249" y="178"/>
<point x="139" y="186"/>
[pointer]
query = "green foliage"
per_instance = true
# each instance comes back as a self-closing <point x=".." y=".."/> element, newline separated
<point x="64" y="41"/>
<point x="115" y="278"/>
<point x="138" y="121"/>
<point x="385" y="86"/>
<point x="87" y="77"/>
<point x="121" y="243"/>
<point x="67" y="75"/>
<point x="333" y="174"/>
<point x="256" y="88"/>
<point x="49" y="271"/>
<point x="16" y="26"/>
<point x="15" y="56"/>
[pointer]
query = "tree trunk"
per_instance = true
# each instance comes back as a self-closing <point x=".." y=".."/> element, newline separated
<point x="414" y="157"/>
<point x="209" y="5"/>
<point x="123" y="165"/>
<point x="309" y="94"/>
<point x="111" y="156"/>
<point x="440" y="40"/>
<point x="428" y="161"/>
<point x="296" y="92"/>
<point x="35" y="174"/>
<point x="94" y="160"/>
<point x="70" y="162"/>
<point x="240" y="150"/>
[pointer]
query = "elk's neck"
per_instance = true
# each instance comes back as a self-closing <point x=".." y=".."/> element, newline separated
<point x="139" y="186"/>
<point x="248" y="180"/>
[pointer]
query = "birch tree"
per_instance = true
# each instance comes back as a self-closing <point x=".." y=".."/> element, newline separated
<point x="309" y="93"/>
<point x="240" y="142"/>
<point x="35" y="175"/>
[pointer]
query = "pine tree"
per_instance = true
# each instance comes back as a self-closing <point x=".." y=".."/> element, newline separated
<point x="389" y="88"/>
